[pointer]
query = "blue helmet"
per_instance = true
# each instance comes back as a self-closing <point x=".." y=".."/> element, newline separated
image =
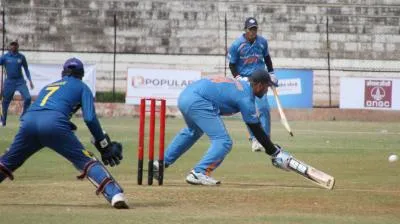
<point x="73" y="67"/>
<point x="261" y="76"/>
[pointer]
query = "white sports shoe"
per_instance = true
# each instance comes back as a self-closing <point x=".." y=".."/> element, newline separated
<point x="118" y="201"/>
<point x="256" y="146"/>
<point x="201" y="179"/>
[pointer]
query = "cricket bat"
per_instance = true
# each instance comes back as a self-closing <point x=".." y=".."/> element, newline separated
<point x="316" y="176"/>
<point x="281" y="113"/>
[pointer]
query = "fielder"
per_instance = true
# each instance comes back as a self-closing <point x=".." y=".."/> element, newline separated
<point x="13" y="61"/>
<point x="47" y="124"/>
<point x="202" y="103"/>
<point x="248" y="53"/>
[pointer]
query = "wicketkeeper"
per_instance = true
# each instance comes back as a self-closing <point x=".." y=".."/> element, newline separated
<point x="47" y="124"/>
<point x="202" y="103"/>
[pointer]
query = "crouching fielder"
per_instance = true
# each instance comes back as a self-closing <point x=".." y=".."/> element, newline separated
<point x="201" y="104"/>
<point x="47" y="124"/>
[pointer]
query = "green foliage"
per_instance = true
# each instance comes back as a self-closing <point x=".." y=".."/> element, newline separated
<point x="108" y="97"/>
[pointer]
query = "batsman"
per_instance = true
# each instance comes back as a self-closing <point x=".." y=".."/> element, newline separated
<point x="202" y="104"/>
<point x="47" y="124"/>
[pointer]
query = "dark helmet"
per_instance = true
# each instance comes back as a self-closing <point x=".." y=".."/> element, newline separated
<point x="14" y="42"/>
<point x="73" y="67"/>
<point x="261" y="76"/>
<point x="250" y="22"/>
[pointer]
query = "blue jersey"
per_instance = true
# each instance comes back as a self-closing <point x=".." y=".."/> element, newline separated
<point x="247" y="56"/>
<point x="67" y="96"/>
<point x="228" y="95"/>
<point x="13" y="63"/>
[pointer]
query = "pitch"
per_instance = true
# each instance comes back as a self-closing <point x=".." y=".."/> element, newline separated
<point x="45" y="189"/>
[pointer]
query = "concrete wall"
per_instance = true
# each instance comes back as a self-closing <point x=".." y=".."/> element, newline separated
<point x="363" y="35"/>
<point x="316" y="114"/>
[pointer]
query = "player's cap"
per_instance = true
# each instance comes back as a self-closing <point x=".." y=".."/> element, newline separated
<point x="250" y="22"/>
<point x="14" y="42"/>
<point x="261" y="76"/>
<point x="74" y="67"/>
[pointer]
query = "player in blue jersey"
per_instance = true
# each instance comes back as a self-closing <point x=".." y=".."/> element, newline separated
<point x="13" y="61"/>
<point x="47" y="124"/>
<point x="248" y="53"/>
<point x="202" y="104"/>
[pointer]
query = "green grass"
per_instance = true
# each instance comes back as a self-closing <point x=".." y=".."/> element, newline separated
<point x="367" y="189"/>
<point x="108" y="97"/>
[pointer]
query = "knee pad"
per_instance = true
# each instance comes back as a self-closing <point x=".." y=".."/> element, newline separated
<point x="99" y="176"/>
<point x="6" y="172"/>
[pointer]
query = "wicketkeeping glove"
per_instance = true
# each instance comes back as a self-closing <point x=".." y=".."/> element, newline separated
<point x="111" y="152"/>
<point x="281" y="159"/>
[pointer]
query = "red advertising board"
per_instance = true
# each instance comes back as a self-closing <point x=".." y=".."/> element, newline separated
<point x="378" y="94"/>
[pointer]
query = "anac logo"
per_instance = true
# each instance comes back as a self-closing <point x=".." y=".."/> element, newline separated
<point x="378" y="94"/>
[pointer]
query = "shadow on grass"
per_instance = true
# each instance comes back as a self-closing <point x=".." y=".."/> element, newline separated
<point x="89" y="206"/>
<point x="258" y="185"/>
<point x="244" y="185"/>
<point x="45" y="205"/>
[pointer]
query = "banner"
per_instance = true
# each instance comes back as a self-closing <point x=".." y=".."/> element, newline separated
<point x="370" y="93"/>
<point x="44" y="74"/>
<point x="295" y="88"/>
<point x="157" y="83"/>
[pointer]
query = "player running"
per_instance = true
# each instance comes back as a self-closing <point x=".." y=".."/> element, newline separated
<point x="47" y="124"/>
<point x="202" y="103"/>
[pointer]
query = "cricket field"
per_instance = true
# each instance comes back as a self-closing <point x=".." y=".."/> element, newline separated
<point x="367" y="190"/>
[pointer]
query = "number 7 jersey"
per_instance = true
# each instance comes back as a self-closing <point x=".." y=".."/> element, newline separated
<point x="67" y="96"/>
